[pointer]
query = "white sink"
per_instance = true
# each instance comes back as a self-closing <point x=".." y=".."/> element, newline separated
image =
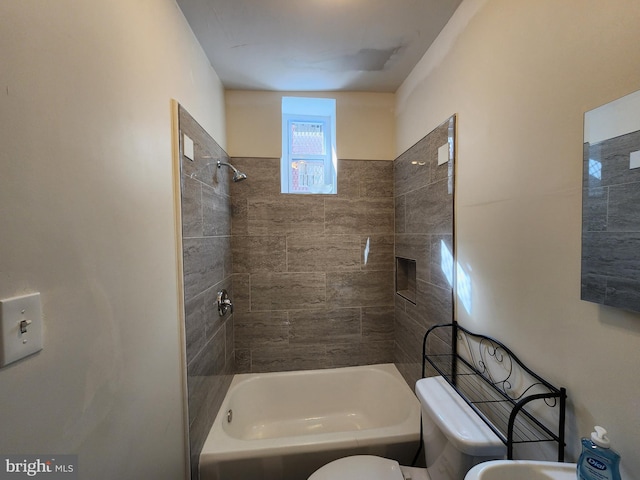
<point x="522" y="470"/>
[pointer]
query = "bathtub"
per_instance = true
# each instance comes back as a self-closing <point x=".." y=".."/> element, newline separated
<point x="285" y="425"/>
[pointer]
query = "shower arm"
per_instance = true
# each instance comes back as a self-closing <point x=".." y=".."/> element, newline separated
<point x="220" y="163"/>
<point x="237" y="174"/>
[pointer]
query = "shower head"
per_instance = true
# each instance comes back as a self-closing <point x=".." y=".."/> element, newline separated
<point x="238" y="176"/>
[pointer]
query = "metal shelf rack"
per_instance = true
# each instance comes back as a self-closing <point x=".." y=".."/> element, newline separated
<point x="506" y="394"/>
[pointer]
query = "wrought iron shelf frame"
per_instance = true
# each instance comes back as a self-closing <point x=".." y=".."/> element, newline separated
<point x="497" y="386"/>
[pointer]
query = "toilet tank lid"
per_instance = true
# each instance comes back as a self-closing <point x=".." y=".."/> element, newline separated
<point x="457" y="420"/>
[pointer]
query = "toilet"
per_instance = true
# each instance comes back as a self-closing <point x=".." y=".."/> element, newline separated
<point x="454" y="440"/>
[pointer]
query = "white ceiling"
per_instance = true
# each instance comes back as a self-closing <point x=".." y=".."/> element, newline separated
<point x="316" y="45"/>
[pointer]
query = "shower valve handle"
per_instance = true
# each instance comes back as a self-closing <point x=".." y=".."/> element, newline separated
<point x="224" y="302"/>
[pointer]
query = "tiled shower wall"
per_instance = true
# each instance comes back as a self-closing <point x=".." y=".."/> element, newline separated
<point x="424" y="233"/>
<point x="206" y="230"/>
<point x="313" y="275"/>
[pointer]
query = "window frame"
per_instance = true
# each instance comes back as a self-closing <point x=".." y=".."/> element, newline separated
<point x="327" y="118"/>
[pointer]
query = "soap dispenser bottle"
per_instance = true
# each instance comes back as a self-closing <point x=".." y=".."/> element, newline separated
<point x="598" y="461"/>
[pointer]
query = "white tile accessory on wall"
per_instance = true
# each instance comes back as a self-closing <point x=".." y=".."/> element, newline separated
<point x="20" y="327"/>
<point x="443" y="154"/>
<point x="188" y="148"/>
<point x="634" y="160"/>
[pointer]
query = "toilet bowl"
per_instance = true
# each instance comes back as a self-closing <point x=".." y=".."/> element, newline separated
<point x="454" y="440"/>
<point x="368" y="467"/>
<point x="360" y="466"/>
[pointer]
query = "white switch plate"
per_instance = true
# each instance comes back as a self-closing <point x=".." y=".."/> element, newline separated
<point x="14" y="344"/>
<point x="188" y="147"/>
<point x="634" y="161"/>
<point x="443" y="154"/>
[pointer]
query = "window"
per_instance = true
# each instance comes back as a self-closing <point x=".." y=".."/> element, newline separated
<point x="308" y="163"/>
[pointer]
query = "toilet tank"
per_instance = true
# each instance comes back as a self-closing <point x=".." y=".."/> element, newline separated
<point x="455" y="437"/>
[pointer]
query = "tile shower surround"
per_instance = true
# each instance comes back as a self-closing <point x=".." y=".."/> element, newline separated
<point x="423" y="227"/>
<point x="206" y="242"/>
<point x="306" y="293"/>
<point x="611" y="223"/>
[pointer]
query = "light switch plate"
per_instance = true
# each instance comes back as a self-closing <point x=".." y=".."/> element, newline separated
<point x="187" y="147"/>
<point x="443" y="154"/>
<point x="20" y="327"/>
<point x="634" y="161"/>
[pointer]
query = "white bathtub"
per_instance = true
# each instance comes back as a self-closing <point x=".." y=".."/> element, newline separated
<point x="286" y="425"/>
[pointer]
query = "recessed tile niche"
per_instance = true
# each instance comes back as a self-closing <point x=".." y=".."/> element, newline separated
<point x="406" y="278"/>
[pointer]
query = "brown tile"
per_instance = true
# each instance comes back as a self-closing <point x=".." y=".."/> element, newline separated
<point x="400" y="303"/>
<point x="324" y="326"/>
<point x="433" y="305"/>
<point x="194" y="326"/>
<point x="260" y="329"/>
<point x="216" y="213"/>
<point x="377" y="324"/>
<point x="241" y="292"/>
<point x="409" y="335"/>
<point x="359" y="216"/>
<point x="377" y="252"/>
<point x="439" y="341"/>
<point x="437" y="138"/>
<point x="348" y="182"/>
<point x="442" y="264"/>
<point x="410" y="368"/>
<point x="416" y="247"/>
<point x="213" y="320"/>
<point x="376" y="179"/>
<point x="260" y="253"/>
<point x="263" y="177"/>
<point x="239" y="219"/>
<point x="411" y="169"/>
<point x="191" y="202"/>
<point x="400" y="214"/>
<point x="362" y="289"/>
<point x="360" y="353"/>
<point x="323" y="253"/>
<point x="203" y="408"/>
<point x="204" y="263"/>
<point x="285" y="214"/>
<point x="242" y="360"/>
<point x="430" y="209"/>
<point x="288" y="357"/>
<point x="211" y="358"/>
<point x="229" y="343"/>
<point x="418" y="166"/>
<point x="287" y="291"/>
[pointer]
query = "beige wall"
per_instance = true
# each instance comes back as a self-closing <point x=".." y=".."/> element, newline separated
<point x="365" y="123"/>
<point x="87" y="219"/>
<point x="520" y="76"/>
